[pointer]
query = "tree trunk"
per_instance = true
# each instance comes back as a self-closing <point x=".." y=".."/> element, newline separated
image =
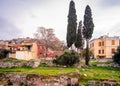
<point x="87" y="57"/>
<point x="46" y="52"/>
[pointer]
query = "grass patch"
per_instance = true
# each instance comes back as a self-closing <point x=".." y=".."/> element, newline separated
<point x="39" y="70"/>
<point x="97" y="73"/>
<point x="88" y="73"/>
<point x="13" y="60"/>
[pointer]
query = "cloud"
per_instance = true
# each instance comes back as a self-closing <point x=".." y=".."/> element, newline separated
<point x="109" y="3"/>
<point x="115" y="30"/>
<point x="8" y="30"/>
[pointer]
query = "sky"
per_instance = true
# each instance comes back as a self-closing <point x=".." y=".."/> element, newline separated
<point x="21" y="18"/>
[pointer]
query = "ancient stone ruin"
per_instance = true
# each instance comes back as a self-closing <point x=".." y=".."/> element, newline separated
<point x="38" y="80"/>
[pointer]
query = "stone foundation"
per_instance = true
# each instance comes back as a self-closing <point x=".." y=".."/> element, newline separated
<point x="104" y="82"/>
<point x="37" y="80"/>
<point x="19" y="64"/>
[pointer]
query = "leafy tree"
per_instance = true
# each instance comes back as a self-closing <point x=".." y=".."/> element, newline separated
<point x="88" y="31"/>
<point x="79" y="39"/>
<point x="116" y="57"/>
<point x="69" y="58"/>
<point x="56" y="44"/>
<point x="48" y="38"/>
<point x="72" y="24"/>
<point x="3" y="53"/>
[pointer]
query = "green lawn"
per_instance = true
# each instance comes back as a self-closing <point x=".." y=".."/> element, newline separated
<point x="93" y="73"/>
<point x="39" y="70"/>
<point x="97" y="73"/>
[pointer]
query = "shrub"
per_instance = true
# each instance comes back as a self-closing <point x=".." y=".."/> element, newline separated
<point x="116" y="56"/>
<point x="43" y="65"/>
<point x="26" y="66"/>
<point x="3" y="53"/>
<point x="68" y="58"/>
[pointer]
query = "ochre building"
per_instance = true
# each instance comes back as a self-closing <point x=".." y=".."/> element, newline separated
<point x="104" y="46"/>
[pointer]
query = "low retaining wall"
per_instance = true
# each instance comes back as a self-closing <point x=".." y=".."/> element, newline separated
<point x="70" y="79"/>
<point x="110" y="65"/>
<point x="36" y="80"/>
<point x="20" y="64"/>
<point x="103" y="83"/>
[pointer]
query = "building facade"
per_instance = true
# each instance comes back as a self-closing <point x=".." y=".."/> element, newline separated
<point x="30" y="50"/>
<point x="27" y="48"/>
<point x="104" y="46"/>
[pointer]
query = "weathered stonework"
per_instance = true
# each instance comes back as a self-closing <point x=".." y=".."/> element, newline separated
<point x="37" y="80"/>
<point x="19" y="64"/>
<point x="103" y="83"/>
<point x="110" y="65"/>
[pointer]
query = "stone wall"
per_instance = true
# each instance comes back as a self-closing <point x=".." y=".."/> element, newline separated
<point x="69" y="79"/>
<point x="36" y="80"/>
<point x="18" y="64"/>
<point x="110" y="65"/>
<point x="103" y="83"/>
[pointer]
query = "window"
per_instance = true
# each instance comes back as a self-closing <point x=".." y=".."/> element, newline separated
<point x="112" y="50"/>
<point x="99" y="43"/>
<point x="113" y="42"/>
<point x="99" y="51"/>
<point x="10" y="49"/>
<point x="102" y="51"/>
<point x="102" y="43"/>
<point x="29" y="47"/>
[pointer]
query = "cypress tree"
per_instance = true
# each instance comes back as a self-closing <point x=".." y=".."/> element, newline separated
<point x="72" y="24"/>
<point x="87" y="30"/>
<point x="79" y="39"/>
<point x="116" y="56"/>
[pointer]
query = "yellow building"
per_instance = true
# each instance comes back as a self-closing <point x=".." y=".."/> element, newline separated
<point x="105" y="46"/>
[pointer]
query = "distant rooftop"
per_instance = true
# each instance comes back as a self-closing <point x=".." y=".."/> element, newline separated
<point x="108" y="37"/>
